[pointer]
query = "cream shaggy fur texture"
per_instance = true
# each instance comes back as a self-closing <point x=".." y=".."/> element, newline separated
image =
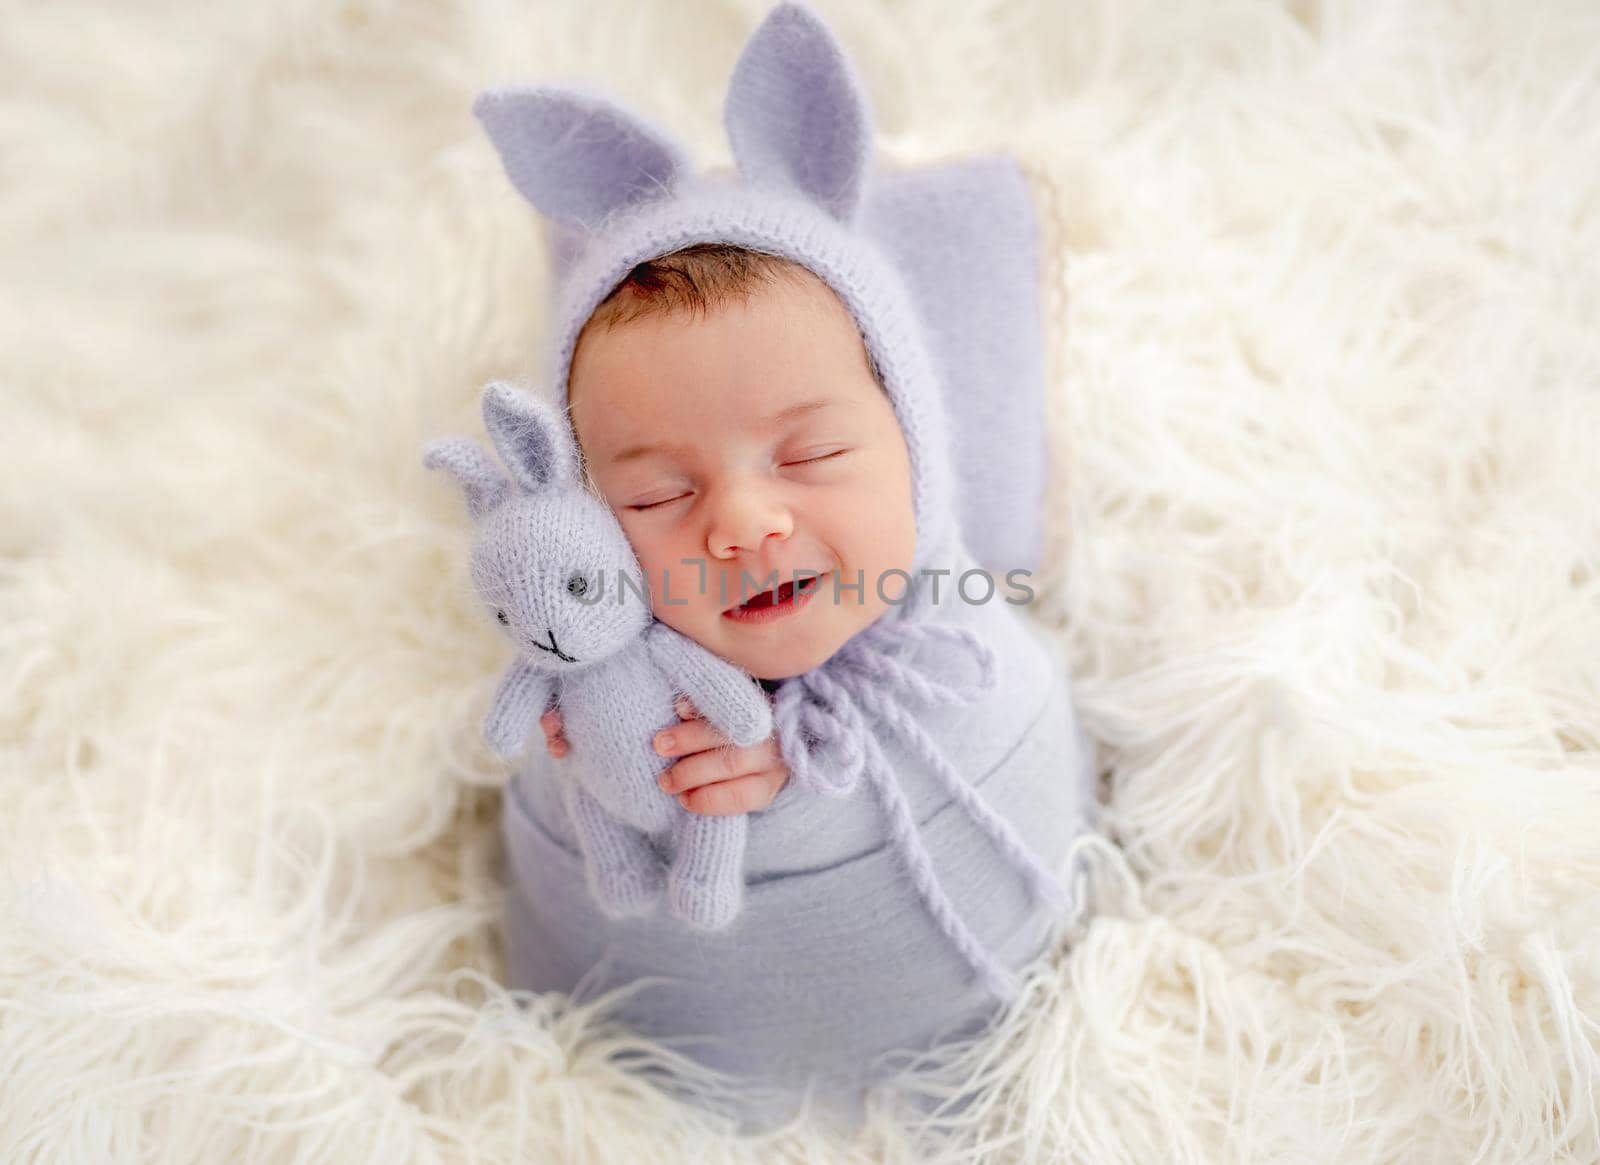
<point x="1324" y="555"/>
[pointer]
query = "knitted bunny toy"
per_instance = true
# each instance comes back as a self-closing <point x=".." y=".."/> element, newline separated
<point x="541" y="561"/>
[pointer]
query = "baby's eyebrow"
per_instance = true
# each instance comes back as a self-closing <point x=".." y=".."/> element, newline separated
<point x="634" y="452"/>
<point x="800" y="409"/>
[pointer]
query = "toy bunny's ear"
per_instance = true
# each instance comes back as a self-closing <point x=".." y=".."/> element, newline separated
<point x="470" y="464"/>
<point x="576" y="155"/>
<point x="533" y="439"/>
<point x="797" y="114"/>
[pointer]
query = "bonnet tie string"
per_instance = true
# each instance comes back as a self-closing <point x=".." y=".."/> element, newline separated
<point x="822" y="721"/>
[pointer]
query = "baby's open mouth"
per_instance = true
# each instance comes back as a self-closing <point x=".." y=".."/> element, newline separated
<point x="783" y="594"/>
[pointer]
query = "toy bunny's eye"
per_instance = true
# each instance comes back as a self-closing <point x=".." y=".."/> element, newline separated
<point x="501" y="615"/>
<point x="577" y="585"/>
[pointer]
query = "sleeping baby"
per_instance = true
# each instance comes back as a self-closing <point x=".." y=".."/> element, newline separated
<point x="756" y="403"/>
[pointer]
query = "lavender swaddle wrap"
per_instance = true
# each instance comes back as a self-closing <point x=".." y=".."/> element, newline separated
<point x="916" y="860"/>
<point x="834" y="961"/>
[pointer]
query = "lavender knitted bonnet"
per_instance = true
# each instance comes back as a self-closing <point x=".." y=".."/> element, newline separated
<point x="617" y="190"/>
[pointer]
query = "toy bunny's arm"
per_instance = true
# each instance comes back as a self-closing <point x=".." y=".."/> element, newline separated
<point x="518" y="703"/>
<point x="727" y="697"/>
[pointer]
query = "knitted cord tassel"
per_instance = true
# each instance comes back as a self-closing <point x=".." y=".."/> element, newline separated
<point x="822" y="726"/>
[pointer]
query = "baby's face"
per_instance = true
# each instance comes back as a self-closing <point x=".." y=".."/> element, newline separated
<point x="751" y="441"/>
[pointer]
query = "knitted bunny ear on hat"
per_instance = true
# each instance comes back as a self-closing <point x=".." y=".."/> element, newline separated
<point x="796" y="114"/>
<point x="578" y="157"/>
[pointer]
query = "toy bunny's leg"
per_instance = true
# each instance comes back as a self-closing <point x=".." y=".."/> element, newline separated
<point x="625" y="873"/>
<point x="705" y="887"/>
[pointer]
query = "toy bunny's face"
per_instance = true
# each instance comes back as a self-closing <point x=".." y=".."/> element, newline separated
<point x="550" y="565"/>
<point x="550" y="560"/>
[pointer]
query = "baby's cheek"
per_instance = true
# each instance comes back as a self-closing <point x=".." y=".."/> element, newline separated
<point x="892" y="494"/>
<point x="888" y="526"/>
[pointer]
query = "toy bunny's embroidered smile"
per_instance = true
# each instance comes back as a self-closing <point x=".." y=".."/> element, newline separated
<point x="555" y="650"/>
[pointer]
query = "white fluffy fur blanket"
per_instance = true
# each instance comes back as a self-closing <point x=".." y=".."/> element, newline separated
<point x="1326" y="558"/>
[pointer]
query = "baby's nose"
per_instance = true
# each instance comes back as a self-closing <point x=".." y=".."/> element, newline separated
<point x="744" y="523"/>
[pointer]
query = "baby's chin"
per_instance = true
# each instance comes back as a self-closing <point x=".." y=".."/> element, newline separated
<point x="781" y="661"/>
<point x="776" y="654"/>
<point x="783" y="673"/>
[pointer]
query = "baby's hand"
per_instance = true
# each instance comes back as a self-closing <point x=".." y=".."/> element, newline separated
<point x="555" y="744"/>
<point x="714" y="776"/>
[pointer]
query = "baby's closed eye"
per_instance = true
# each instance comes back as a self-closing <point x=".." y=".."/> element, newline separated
<point x="664" y="502"/>
<point x="822" y="457"/>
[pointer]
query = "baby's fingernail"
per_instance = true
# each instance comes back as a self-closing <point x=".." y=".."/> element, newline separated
<point x="664" y="742"/>
<point x="683" y="799"/>
<point x="665" y="780"/>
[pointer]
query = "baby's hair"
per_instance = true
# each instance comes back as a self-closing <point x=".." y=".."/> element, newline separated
<point x="697" y="279"/>
<point x="692" y="279"/>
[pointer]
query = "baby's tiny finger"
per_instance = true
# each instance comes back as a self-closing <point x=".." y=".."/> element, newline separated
<point x="685" y="708"/>
<point x="744" y="794"/>
<point x="724" y="763"/>
<point x="688" y="738"/>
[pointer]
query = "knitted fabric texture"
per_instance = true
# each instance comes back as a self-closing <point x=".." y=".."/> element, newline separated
<point x="544" y="552"/>
<point x="618" y="191"/>
<point x="830" y="709"/>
